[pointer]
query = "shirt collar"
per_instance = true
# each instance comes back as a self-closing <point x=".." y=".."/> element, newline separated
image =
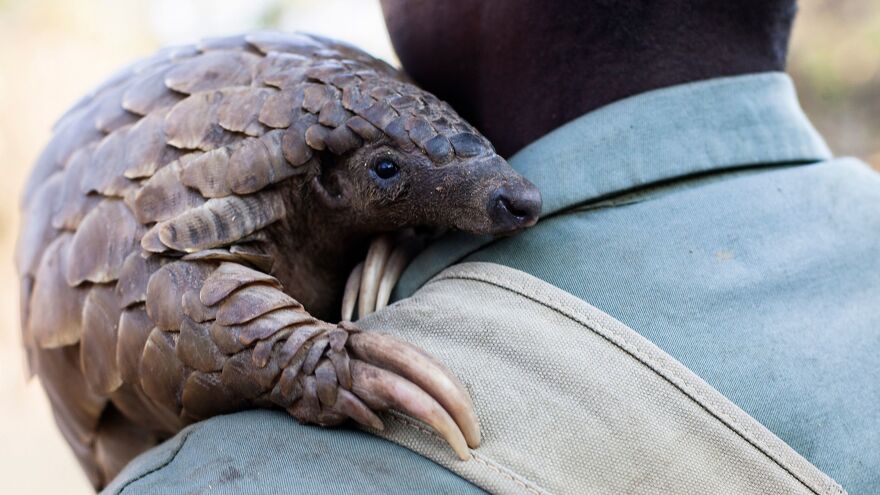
<point x="657" y="136"/>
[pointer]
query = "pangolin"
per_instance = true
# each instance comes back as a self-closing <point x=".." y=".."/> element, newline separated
<point x="187" y="211"/>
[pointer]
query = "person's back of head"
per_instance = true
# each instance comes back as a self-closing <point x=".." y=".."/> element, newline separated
<point x="518" y="69"/>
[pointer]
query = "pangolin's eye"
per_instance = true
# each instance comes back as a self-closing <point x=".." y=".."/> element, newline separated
<point x="385" y="168"/>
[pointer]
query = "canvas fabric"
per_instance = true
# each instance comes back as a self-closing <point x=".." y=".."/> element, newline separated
<point x="572" y="401"/>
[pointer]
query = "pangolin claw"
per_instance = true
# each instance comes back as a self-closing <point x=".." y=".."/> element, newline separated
<point x="422" y="370"/>
<point x="381" y="373"/>
<point x="387" y="373"/>
<point x="383" y="387"/>
<point x="352" y="287"/>
<point x="374" y="267"/>
<point x="371" y="282"/>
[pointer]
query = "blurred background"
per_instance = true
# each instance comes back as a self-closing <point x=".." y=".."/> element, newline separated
<point x="53" y="51"/>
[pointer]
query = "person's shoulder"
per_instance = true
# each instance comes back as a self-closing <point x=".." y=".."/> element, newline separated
<point x="845" y="172"/>
<point x="849" y="161"/>
<point x="269" y="452"/>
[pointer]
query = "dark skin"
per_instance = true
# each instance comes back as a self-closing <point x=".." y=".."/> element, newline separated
<point x="520" y="68"/>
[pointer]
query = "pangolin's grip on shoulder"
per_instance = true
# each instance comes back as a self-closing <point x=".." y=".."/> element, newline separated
<point x="242" y="342"/>
<point x="146" y="299"/>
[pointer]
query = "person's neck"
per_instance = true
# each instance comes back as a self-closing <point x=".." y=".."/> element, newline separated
<point x="514" y="104"/>
<point x="518" y="69"/>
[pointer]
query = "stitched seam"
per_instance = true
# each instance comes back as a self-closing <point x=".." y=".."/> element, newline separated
<point x="525" y="485"/>
<point x="732" y="423"/>
<point x="685" y="387"/>
<point x="157" y="468"/>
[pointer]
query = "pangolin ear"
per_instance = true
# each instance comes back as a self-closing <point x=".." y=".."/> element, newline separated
<point x="328" y="191"/>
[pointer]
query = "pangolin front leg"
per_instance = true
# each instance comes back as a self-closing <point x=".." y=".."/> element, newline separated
<point x="227" y="337"/>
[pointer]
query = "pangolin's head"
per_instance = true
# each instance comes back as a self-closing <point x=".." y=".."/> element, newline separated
<point x="406" y="159"/>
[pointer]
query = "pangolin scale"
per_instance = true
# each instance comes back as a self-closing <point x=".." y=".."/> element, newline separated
<point x="187" y="210"/>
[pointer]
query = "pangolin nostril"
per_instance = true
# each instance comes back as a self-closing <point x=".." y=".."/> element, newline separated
<point x="515" y="208"/>
<point x="519" y="213"/>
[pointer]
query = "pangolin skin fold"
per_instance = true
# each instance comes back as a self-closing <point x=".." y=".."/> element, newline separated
<point x="149" y="253"/>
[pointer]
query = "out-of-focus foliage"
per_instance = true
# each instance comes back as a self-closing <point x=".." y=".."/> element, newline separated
<point x="835" y="61"/>
<point x="53" y="51"/>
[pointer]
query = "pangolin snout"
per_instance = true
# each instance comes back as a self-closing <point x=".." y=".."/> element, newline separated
<point x="513" y="207"/>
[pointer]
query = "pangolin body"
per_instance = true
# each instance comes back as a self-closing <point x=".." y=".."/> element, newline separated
<point x="187" y="209"/>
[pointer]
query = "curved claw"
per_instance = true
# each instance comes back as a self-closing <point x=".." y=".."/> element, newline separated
<point x="374" y="265"/>
<point x="352" y="286"/>
<point x="382" y="389"/>
<point x="397" y="262"/>
<point x="348" y="404"/>
<point x="416" y="366"/>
